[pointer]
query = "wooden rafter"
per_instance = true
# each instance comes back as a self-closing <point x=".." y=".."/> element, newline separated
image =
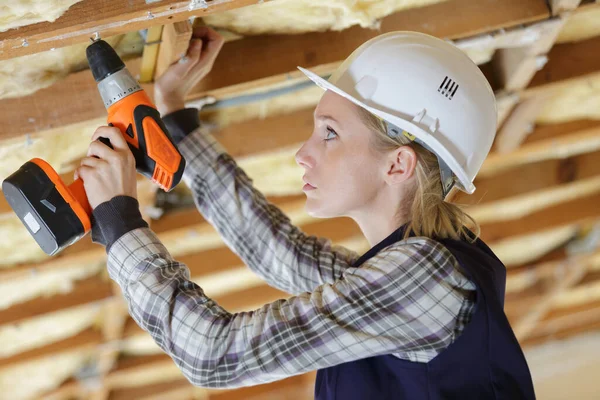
<point x="270" y="59"/>
<point x="562" y="147"/>
<point x="580" y="210"/>
<point x="527" y="323"/>
<point x="109" y="17"/>
<point x="567" y="63"/>
<point x="173" y="46"/>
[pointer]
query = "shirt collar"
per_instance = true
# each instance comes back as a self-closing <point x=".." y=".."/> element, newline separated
<point x="392" y="238"/>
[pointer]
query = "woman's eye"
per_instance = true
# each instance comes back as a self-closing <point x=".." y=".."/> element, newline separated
<point x="331" y="134"/>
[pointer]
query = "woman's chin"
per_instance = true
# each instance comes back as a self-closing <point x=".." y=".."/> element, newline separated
<point x="315" y="209"/>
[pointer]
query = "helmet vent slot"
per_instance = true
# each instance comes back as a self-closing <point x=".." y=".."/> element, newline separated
<point x="448" y="88"/>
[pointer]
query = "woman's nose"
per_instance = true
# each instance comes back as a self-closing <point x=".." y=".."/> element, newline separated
<point x="303" y="157"/>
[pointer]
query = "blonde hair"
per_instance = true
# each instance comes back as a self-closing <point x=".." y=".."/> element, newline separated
<point x="429" y="214"/>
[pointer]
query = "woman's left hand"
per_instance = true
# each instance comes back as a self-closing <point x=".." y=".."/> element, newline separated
<point x="111" y="172"/>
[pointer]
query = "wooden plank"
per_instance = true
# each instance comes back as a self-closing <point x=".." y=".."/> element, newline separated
<point x="68" y="390"/>
<point x="560" y="6"/>
<point x="519" y="124"/>
<point x="519" y="279"/>
<point x="520" y="206"/>
<point x="175" y="40"/>
<point x="532" y="177"/>
<point x="273" y="55"/>
<point x="108" y="17"/>
<point x="179" y="388"/>
<point x="567" y="62"/>
<point x="172" y="390"/>
<point x="88" y="338"/>
<point x="526" y="324"/>
<point x="519" y="304"/>
<point x="549" y="131"/>
<point x="148" y="66"/>
<point x="572" y="321"/>
<point x="261" y="57"/>
<point x="575" y="211"/>
<point x="86" y="291"/>
<point x="563" y="147"/>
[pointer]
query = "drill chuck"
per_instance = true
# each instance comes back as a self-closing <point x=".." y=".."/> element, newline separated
<point x="103" y="60"/>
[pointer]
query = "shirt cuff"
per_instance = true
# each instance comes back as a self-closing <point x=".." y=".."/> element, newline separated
<point x="181" y="122"/>
<point x="114" y="218"/>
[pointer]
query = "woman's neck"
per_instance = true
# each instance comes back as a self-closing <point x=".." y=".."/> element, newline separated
<point x="376" y="226"/>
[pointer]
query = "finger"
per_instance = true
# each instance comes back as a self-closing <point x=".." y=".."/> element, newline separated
<point x="193" y="53"/>
<point x="179" y="69"/>
<point x="100" y="150"/>
<point x="92" y="162"/>
<point x="84" y="172"/>
<point x="113" y="134"/>
<point x="206" y="33"/>
<point x="211" y="48"/>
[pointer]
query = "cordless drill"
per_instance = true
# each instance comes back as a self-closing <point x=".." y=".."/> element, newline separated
<point x="58" y="215"/>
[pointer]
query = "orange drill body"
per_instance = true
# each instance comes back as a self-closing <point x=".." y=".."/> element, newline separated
<point x="58" y="215"/>
<point x="156" y="155"/>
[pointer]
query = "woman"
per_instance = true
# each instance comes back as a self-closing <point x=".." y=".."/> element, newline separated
<point x="419" y="316"/>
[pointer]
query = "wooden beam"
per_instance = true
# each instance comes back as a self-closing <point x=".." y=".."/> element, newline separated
<point x="562" y="323"/>
<point x="577" y="211"/>
<point x="519" y="124"/>
<point x="275" y="55"/>
<point x="581" y="142"/>
<point x="265" y="57"/>
<point x="567" y="63"/>
<point x="109" y="17"/>
<point x="520" y="206"/>
<point x="526" y="324"/>
<point x="579" y="294"/>
<point x="68" y="390"/>
<point x="89" y="338"/>
<point x="89" y="290"/>
<point x="179" y="388"/>
<point x="175" y="40"/>
<point x="560" y="6"/>
<point x="516" y="65"/>
<point x="149" y="57"/>
<point x="521" y="250"/>
<point x="549" y="131"/>
<point x="142" y="370"/>
<point x="82" y="252"/>
<point x="532" y="275"/>
<point x="532" y="177"/>
<point x="268" y="135"/>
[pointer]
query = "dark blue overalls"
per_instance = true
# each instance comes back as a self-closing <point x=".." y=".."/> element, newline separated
<point x="485" y="361"/>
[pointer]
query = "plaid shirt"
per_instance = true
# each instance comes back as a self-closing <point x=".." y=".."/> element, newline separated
<point x="410" y="299"/>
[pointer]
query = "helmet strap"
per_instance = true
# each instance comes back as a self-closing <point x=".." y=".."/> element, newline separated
<point x="446" y="175"/>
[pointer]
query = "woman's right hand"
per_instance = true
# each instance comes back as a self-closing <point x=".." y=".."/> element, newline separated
<point x="172" y="87"/>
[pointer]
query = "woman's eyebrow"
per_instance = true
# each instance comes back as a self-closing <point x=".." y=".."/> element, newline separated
<point x="327" y="117"/>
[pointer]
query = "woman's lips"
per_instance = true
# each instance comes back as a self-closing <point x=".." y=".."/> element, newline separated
<point x="307" y="185"/>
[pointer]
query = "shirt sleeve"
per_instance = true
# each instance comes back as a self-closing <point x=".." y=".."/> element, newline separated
<point x="256" y="230"/>
<point x="406" y="300"/>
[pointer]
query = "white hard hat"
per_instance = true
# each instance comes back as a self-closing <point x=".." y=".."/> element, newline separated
<point x="431" y="91"/>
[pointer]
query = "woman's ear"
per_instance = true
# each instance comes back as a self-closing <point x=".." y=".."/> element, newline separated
<point x="400" y="165"/>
